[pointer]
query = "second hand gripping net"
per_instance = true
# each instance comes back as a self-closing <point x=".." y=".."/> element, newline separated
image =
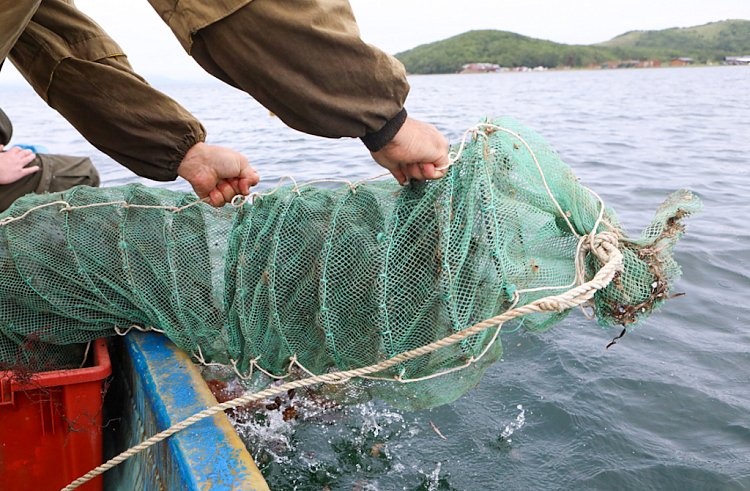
<point x="304" y="280"/>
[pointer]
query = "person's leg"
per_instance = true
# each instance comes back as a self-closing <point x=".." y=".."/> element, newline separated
<point x="28" y="184"/>
<point x="62" y="172"/>
<point x="56" y="173"/>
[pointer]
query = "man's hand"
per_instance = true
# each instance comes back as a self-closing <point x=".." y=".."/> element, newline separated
<point x="418" y="151"/>
<point x="217" y="173"/>
<point x="13" y="164"/>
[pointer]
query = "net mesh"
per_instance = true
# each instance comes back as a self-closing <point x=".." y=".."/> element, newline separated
<point x="321" y="280"/>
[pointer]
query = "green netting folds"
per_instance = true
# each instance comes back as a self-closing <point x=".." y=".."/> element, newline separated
<point x="334" y="279"/>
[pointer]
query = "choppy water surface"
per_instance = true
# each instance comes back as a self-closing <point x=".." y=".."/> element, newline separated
<point x="667" y="408"/>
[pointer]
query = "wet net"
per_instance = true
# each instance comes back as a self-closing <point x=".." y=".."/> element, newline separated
<point x="304" y="280"/>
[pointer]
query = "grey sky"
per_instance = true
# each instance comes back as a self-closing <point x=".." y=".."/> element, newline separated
<point x="398" y="25"/>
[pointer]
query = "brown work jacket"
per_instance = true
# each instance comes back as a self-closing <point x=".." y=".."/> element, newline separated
<point x="302" y="59"/>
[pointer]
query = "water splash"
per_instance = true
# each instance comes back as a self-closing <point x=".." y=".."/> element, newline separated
<point x="349" y="447"/>
<point x="434" y="479"/>
<point x="374" y="419"/>
<point x="514" y="425"/>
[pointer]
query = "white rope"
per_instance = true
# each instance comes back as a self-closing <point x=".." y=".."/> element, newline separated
<point x="253" y="364"/>
<point x="122" y="204"/>
<point x="257" y="194"/>
<point x="137" y="328"/>
<point x="85" y="355"/>
<point x="240" y="200"/>
<point x="606" y="241"/>
<point x="469" y="362"/>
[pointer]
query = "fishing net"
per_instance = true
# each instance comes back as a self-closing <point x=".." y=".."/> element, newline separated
<point x="305" y="280"/>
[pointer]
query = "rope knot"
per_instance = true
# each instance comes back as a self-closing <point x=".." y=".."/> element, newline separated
<point x="602" y="244"/>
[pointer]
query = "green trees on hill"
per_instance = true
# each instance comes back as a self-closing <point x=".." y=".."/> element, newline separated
<point x="500" y="47"/>
<point x="709" y="42"/>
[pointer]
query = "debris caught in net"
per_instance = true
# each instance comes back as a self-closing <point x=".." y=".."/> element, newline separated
<point x="308" y="280"/>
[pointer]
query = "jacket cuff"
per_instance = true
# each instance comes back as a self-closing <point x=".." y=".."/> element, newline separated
<point x="377" y="140"/>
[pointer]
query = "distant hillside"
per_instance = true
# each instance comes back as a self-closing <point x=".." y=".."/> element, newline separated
<point x="709" y="42"/>
<point x="500" y="47"/>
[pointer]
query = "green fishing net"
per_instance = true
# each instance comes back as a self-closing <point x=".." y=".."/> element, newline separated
<point x="310" y="280"/>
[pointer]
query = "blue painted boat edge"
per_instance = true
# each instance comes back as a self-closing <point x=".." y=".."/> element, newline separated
<point x="209" y="454"/>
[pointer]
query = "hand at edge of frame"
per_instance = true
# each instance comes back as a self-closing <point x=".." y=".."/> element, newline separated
<point x="13" y="164"/>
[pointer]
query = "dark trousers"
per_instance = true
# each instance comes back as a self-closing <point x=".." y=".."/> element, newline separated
<point x="56" y="173"/>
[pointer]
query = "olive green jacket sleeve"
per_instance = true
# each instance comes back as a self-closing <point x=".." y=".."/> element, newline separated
<point x="83" y="74"/>
<point x="14" y="16"/>
<point x="302" y="59"/>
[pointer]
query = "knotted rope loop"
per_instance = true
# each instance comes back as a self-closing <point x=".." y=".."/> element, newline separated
<point x="601" y="245"/>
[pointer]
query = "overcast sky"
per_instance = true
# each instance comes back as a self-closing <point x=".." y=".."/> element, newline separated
<point x="398" y="25"/>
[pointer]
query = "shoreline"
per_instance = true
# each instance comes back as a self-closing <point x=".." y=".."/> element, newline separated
<point x="572" y="69"/>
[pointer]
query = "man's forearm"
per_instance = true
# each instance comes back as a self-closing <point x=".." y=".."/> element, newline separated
<point x="136" y="125"/>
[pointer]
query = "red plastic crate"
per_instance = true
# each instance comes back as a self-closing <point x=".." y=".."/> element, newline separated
<point x="51" y="427"/>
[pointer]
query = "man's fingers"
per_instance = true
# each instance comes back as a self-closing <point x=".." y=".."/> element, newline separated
<point x="442" y="163"/>
<point x="235" y="183"/>
<point x="21" y="155"/>
<point x="216" y="199"/>
<point x="21" y="152"/>
<point x="399" y="175"/>
<point x="226" y="190"/>
<point x="217" y="173"/>
<point x="415" y="172"/>
<point x="247" y="183"/>
<point x="431" y="171"/>
<point x="416" y="152"/>
<point x="29" y="170"/>
<point x="27" y="159"/>
<point x="252" y="177"/>
<point x="428" y="171"/>
<point x="247" y="179"/>
<point x="418" y="172"/>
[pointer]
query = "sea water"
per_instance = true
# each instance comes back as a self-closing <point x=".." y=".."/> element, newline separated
<point x="666" y="408"/>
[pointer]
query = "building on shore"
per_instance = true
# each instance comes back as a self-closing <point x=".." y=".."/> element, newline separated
<point x="649" y="64"/>
<point x="737" y="60"/>
<point x="681" y="62"/>
<point x="627" y="64"/>
<point x="480" y="68"/>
